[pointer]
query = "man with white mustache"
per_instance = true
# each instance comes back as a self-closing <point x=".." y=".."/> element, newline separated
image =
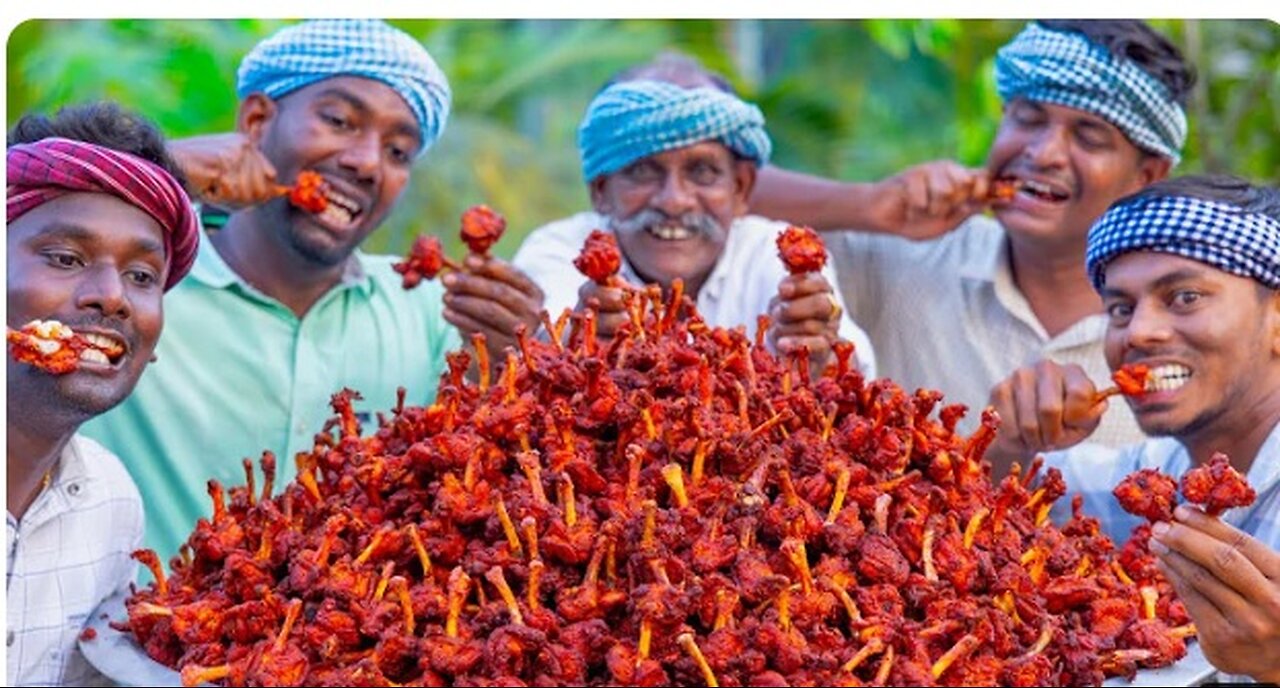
<point x="670" y="160"/>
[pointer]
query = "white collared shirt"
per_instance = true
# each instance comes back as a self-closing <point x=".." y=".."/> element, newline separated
<point x="738" y="289"/>
<point x="945" y="314"/>
<point x="69" y="552"/>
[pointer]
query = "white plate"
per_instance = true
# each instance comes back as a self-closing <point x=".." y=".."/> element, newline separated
<point x="117" y="655"/>
<point x="120" y="658"/>
<point x="1191" y="670"/>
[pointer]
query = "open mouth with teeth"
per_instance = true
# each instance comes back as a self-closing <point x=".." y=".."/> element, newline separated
<point x="671" y="232"/>
<point x="341" y="210"/>
<point x="1037" y="190"/>
<point x="55" y="348"/>
<point x="101" y="349"/>
<point x="1167" y="378"/>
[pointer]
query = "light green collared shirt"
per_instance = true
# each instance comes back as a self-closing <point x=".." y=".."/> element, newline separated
<point x="238" y="373"/>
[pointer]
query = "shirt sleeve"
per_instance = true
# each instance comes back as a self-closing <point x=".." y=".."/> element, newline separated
<point x="854" y="257"/>
<point x="849" y="330"/>
<point x="546" y="256"/>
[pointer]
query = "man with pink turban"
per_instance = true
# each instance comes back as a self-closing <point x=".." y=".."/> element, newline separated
<point x="99" y="228"/>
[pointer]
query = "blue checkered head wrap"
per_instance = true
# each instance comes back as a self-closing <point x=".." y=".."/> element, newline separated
<point x="1065" y="68"/>
<point x="631" y="120"/>
<point x="1221" y="235"/>
<point x="311" y="51"/>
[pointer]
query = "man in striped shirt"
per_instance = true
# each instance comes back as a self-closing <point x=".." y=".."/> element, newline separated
<point x="99" y="227"/>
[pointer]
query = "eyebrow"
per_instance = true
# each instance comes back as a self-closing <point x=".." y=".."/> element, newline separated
<point x="401" y="127"/>
<point x="73" y="232"/>
<point x="1163" y="282"/>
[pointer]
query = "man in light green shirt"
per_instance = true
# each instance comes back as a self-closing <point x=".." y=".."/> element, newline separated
<point x="281" y="310"/>
<point x="237" y="372"/>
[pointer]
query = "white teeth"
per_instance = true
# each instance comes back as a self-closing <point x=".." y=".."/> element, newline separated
<point x="348" y="204"/>
<point x="1168" y="378"/>
<point x="101" y="341"/>
<point x="47" y="346"/>
<point x="671" y="232"/>
<point x="336" y="214"/>
<point x="94" y="356"/>
<point x="1041" y="189"/>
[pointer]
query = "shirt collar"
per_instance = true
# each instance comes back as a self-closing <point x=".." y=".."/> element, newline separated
<point x="211" y="270"/>
<point x="995" y="269"/>
<point x="71" y="480"/>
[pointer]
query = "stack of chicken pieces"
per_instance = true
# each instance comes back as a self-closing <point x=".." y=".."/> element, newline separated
<point x="674" y="507"/>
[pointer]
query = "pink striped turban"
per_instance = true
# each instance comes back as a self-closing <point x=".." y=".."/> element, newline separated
<point x="42" y="171"/>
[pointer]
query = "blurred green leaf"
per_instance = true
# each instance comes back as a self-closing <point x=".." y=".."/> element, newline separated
<point x="856" y="100"/>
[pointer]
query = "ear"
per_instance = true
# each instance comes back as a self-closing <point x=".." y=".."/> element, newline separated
<point x="599" y="199"/>
<point x="744" y="181"/>
<point x="1153" y="168"/>
<point x="1273" y="309"/>
<point x="255" y="113"/>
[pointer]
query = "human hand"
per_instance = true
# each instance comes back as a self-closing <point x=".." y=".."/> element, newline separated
<point x="928" y="200"/>
<point x="493" y="297"/>
<point x="609" y="303"/>
<point x="226" y="170"/>
<point x="1230" y="584"/>
<point x="1045" y="406"/>
<point x="805" y="313"/>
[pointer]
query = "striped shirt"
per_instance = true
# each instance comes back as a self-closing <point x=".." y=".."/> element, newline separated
<point x="945" y="314"/>
<point x="69" y="552"/>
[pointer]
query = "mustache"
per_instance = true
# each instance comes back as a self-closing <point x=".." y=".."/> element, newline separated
<point x="701" y="224"/>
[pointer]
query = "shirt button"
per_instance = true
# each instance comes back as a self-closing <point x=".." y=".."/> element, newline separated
<point x="73" y="489"/>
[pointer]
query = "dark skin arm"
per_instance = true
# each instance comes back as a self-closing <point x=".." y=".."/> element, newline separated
<point x="492" y="297"/>
<point x="226" y="170"/>
<point x="1042" y="407"/>
<point x="804" y="313"/>
<point x="921" y="202"/>
<point x="1230" y="583"/>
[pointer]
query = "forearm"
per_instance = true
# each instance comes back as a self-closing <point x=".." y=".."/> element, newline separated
<point x="814" y="201"/>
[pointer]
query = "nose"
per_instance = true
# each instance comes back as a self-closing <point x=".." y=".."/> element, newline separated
<point x="1048" y="149"/>
<point x="362" y="156"/>
<point x="103" y="290"/>
<point x="675" y="197"/>
<point x="1149" y="327"/>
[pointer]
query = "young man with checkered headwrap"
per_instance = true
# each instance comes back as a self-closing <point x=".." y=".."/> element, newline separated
<point x="1189" y="275"/>
<point x="282" y="310"/>
<point x="955" y="300"/>
<point x="669" y="156"/>
<point x="99" y="228"/>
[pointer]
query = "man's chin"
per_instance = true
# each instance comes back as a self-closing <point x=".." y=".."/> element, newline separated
<point x="92" y="402"/>
<point x="322" y="254"/>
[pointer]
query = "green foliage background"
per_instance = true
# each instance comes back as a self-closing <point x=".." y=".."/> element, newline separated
<point x="856" y="100"/>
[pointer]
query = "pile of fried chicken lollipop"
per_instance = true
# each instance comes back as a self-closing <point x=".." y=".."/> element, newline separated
<point x="674" y="507"/>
